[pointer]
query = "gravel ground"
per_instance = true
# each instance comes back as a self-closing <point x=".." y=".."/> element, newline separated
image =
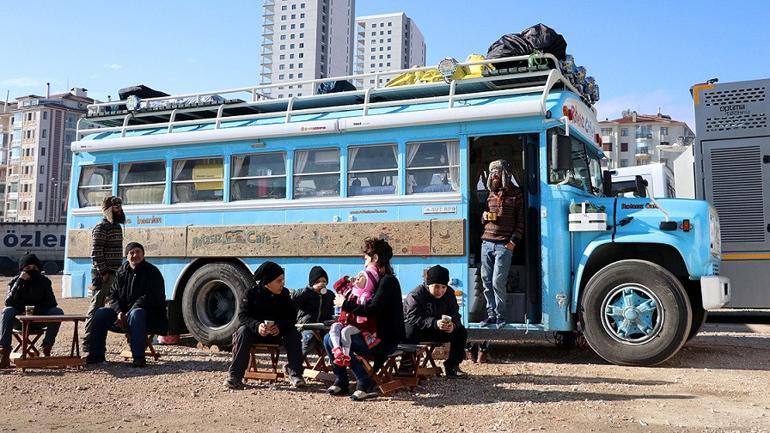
<point x="716" y="383"/>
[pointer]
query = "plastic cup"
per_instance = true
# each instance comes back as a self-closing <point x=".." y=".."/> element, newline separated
<point x="446" y="318"/>
<point x="29" y="310"/>
<point x="269" y="323"/>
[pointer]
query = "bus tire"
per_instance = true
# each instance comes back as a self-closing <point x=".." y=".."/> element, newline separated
<point x="51" y="268"/>
<point x="635" y="313"/>
<point x="211" y="300"/>
<point x="699" y="316"/>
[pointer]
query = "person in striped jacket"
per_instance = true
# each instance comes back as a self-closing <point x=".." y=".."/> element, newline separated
<point x="106" y="255"/>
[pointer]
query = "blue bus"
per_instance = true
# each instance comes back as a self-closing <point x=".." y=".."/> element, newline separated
<point x="215" y="183"/>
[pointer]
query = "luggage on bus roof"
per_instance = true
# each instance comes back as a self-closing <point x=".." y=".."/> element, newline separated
<point x="335" y="87"/>
<point x="539" y="37"/>
<point x="141" y="91"/>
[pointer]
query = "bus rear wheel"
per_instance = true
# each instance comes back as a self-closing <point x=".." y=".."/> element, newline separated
<point x="635" y="313"/>
<point x="211" y="301"/>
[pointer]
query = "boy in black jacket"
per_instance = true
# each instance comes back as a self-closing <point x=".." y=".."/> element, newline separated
<point x="29" y="288"/>
<point x="315" y="304"/>
<point x="267" y="315"/>
<point x="424" y="308"/>
<point x="136" y="305"/>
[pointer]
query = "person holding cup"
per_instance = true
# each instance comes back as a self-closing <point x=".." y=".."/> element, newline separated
<point x="315" y="304"/>
<point x="503" y="232"/>
<point x="28" y="293"/>
<point x="431" y="314"/>
<point x="267" y="315"/>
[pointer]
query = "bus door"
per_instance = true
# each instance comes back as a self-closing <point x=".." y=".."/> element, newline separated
<point x="523" y="289"/>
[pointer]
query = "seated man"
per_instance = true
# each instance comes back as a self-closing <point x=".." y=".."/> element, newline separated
<point x="29" y="288"/>
<point x="315" y="304"/>
<point x="136" y="305"/>
<point x="424" y="308"/>
<point x="267" y="316"/>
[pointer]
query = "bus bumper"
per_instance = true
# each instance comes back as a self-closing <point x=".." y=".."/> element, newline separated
<point x="715" y="291"/>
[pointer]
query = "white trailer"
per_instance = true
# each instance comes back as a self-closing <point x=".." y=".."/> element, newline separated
<point x="660" y="180"/>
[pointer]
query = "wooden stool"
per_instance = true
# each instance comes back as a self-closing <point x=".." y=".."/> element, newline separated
<point x="390" y="378"/>
<point x="254" y="372"/>
<point x="150" y="350"/>
<point x="427" y="366"/>
<point x="319" y="370"/>
<point x="34" y="337"/>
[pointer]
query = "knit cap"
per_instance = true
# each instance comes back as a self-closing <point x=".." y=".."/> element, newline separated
<point x="437" y="275"/>
<point x="316" y="273"/>
<point x="267" y="272"/>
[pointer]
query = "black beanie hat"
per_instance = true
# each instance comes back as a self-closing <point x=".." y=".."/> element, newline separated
<point x="131" y="245"/>
<point x="437" y="275"/>
<point x="316" y="273"/>
<point x="29" y="259"/>
<point x="267" y="272"/>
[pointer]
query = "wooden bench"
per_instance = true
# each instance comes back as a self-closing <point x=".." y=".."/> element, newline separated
<point x="255" y="372"/>
<point x="150" y="350"/>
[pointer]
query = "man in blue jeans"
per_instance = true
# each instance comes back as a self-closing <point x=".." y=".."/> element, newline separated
<point x="136" y="305"/>
<point x="29" y="288"/>
<point x="503" y="232"/>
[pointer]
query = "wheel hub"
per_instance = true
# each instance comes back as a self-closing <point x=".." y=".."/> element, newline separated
<point x="631" y="314"/>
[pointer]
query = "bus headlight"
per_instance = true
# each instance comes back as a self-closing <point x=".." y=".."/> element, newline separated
<point x="714" y="234"/>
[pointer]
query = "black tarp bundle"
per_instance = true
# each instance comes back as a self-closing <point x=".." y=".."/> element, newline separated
<point x="141" y="91"/>
<point x="539" y="37"/>
<point x="335" y="87"/>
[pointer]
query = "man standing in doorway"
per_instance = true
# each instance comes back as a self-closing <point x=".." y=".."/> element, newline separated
<point x="503" y="232"/>
<point x="106" y="255"/>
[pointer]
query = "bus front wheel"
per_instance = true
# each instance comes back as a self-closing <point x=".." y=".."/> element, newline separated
<point x="635" y="313"/>
<point x="211" y="301"/>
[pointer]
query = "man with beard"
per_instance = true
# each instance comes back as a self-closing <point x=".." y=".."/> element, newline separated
<point x="503" y="232"/>
<point x="29" y="288"/>
<point x="106" y="255"/>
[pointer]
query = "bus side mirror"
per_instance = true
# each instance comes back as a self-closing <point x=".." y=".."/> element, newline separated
<point x="607" y="183"/>
<point x="561" y="153"/>
<point x="641" y="186"/>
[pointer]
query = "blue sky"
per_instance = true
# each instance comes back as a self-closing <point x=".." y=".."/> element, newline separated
<point x="644" y="54"/>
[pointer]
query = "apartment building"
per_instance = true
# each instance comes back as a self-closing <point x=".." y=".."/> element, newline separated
<point x="639" y="139"/>
<point x="39" y="156"/>
<point x="387" y="42"/>
<point x="6" y="126"/>
<point x="305" y="40"/>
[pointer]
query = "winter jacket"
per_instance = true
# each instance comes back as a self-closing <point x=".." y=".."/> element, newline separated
<point x="140" y="287"/>
<point x="36" y="291"/>
<point x="509" y="225"/>
<point x="422" y="310"/>
<point x="260" y="304"/>
<point x="386" y="307"/>
<point x="313" y="307"/>
<point x="106" y="246"/>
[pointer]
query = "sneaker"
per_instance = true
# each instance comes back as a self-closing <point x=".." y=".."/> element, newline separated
<point x="360" y="395"/>
<point x="233" y="383"/>
<point x="139" y="363"/>
<point x="454" y="372"/>
<point x="337" y="390"/>
<point x="487" y="322"/>
<point x="471" y="352"/>
<point x="500" y="323"/>
<point x="92" y="359"/>
<point x="297" y="381"/>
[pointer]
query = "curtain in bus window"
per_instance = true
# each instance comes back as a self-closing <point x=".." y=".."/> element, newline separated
<point x="317" y="173"/>
<point x="258" y="176"/>
<point x="197" y="180"/>
<point x="95" y="184"/>
<point x="142" y="182"/>
<point x="372" y="170"/>
<point x="432" y="167"/>
<point x="453" y="156"/>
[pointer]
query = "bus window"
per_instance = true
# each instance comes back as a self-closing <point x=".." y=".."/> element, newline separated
<point x="142" y="182"/>
<point x="580" y="176"/>
<point x="432" y="167"/>
<point x="196" y="180"/>
<point x="95" y="184"/>
<point x="258" y="176"/>
<point x="372" y="170"/>
<point x="317" y="173"/>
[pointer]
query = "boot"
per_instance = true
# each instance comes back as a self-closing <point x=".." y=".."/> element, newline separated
<point x="5" y="357"/>
<point x="482" y="357"/>
<point x="47" y="350"/>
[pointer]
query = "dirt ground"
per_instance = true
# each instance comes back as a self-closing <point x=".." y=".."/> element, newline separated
<point x="718" y="382"/>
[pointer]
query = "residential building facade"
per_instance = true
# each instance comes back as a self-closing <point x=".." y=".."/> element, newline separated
<point x="39" y="156"/>
<point x="639" y="139"/>
<point x="305" y="40"/>
<point x="6" y="134"/>
<point x="387" y="42"/>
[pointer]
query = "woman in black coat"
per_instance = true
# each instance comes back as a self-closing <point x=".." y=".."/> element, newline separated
<point x="386" y="308"/>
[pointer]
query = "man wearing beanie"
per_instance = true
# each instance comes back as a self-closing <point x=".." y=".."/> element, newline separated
<point x="267" y="315"/>
<point x="136" y="304"/>
<point x="30" y="287"/>
<point x="106" y="255"/>
<point x="315" y="304"/>
<point x="424" y="311"/>
<point x="503" y="232"/>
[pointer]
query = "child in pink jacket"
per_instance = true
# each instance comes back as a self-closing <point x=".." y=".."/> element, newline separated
<point x="361" y="290"/>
